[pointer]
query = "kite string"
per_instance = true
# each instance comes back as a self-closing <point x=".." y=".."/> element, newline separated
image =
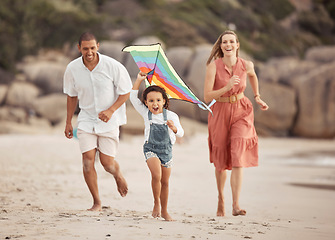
<point x="153" y="70"/>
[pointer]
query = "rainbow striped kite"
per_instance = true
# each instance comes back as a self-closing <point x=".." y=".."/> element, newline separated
<point x="151" y="59"/>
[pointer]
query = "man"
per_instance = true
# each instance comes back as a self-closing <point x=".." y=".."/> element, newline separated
<point x="101" y="85"/>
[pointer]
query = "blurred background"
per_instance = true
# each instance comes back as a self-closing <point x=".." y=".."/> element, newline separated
<point x="291" y="42"/>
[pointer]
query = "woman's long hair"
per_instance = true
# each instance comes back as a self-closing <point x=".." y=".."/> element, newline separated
<point x="216" y="50"/>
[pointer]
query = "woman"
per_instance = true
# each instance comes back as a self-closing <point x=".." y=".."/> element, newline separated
<point x="233" y="141"/>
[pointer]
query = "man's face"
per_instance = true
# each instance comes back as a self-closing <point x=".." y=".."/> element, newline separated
<point x="89" y="50"/>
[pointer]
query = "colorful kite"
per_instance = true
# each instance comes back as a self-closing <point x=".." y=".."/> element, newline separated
<point x="151" y="59"/>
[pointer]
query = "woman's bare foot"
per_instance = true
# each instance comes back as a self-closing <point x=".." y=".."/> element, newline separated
<point x="220" y="210"/>
<point x="155" y="211"/>
<point x="122" y="186"/>
<point x="237" y="212"/>
<point x="95" y="207"/>
<point x="167" y="216"/>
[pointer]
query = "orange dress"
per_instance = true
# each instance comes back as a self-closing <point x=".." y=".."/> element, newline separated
<point x="232" y="139"/>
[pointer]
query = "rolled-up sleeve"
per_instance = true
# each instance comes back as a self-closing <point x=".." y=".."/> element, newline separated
<point x="123" y="82"/>
<point x="68" y="84"/>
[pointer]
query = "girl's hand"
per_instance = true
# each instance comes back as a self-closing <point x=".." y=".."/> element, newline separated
<point x="263" y="105"/>
<point x="141" y="76"/>
<point x="234" y="80"/>
<point x="171" y="125"/>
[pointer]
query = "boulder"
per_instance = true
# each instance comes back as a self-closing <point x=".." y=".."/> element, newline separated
<point x="13" y="114"/>
<point x="277" y="68"/>
<point x="21" y="94"/>
<point x="47" y="75"/>
<point x="6" y="77"/>
<point x="196" y="77"/>
<point x="321" y="54"/>
<point x="302" y="68"/>
<point x="180" y="59"/>
<point x="279" y="118"/>
<point x="112" y="49"/>
<point x="51" y="107"/>
<point x="316" y="99"/>
<point x="3" y="92"/>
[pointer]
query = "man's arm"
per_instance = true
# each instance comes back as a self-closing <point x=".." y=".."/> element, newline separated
<point x="107" y="114"/>
<point x="70" y="108"/>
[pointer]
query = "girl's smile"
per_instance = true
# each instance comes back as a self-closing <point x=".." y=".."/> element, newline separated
<point x="155" y="102"/>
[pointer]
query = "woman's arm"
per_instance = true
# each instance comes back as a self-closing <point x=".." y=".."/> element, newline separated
<point x="209" y="93"/>
<point x="253" y="79"/>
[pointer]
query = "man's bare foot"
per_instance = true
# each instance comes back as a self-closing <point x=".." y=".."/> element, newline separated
<point x="95" y="207"/>
<point x="220" y="210"/>
<point x="155" y="211"/>
<point x="122" y="186"/>
<point x="237" y="212"/>
<point x="167" y="216"/>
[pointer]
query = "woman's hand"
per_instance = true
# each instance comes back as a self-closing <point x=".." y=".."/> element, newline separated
<point x="234" y="80"/>
<point x="263" y="105"/>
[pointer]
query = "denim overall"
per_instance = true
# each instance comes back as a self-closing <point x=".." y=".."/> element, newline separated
<point x="159" y="143"/>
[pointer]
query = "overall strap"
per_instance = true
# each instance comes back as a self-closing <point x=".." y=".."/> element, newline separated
<point x="149" y="115"/>
<point x="164" y="114"/>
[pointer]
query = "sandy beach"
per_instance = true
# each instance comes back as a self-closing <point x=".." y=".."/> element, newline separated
<point x="43" y="195"/>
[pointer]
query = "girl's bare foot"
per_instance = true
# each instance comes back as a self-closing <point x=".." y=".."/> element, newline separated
<point x="155" y="211"/>
<point x="237" y="212"/>
<point x="95" y="207"/>
<point x="220" y="210"/>
<point x="167" y="216"/>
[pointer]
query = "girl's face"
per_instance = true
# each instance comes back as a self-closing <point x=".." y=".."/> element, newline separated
<point x="155" y="102"/>
<point x="229" y="45"/>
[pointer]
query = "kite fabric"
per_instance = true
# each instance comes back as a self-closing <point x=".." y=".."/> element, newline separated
<point x="151" y="59"/>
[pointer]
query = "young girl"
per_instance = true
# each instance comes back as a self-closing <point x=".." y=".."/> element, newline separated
<point x="161" y="128"/>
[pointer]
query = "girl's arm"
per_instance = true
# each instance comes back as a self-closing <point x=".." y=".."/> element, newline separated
<point x="138" y="105"/>
<point x="174" y="124"/>
<point x="140" y="78"/>
<point x="209" y="93"/>
<point x="254" y="85"/>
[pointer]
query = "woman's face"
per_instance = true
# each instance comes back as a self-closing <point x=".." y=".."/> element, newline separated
<point x="229" y="45"/>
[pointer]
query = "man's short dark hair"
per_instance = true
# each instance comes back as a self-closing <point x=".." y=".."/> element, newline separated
<point x="87" y="36"/>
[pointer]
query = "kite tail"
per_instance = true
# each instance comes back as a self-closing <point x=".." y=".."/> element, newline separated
<point x="205" y="107"/>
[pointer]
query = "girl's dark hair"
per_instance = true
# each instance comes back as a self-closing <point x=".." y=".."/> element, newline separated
<point x="155" y="88"/>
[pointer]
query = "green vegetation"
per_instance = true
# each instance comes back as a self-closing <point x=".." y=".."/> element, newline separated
<point x="27" y="26"/>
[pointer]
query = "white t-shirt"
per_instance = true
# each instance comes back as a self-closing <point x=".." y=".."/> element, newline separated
<point x="156" y="118"/>
<point x="97" y="90"/>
